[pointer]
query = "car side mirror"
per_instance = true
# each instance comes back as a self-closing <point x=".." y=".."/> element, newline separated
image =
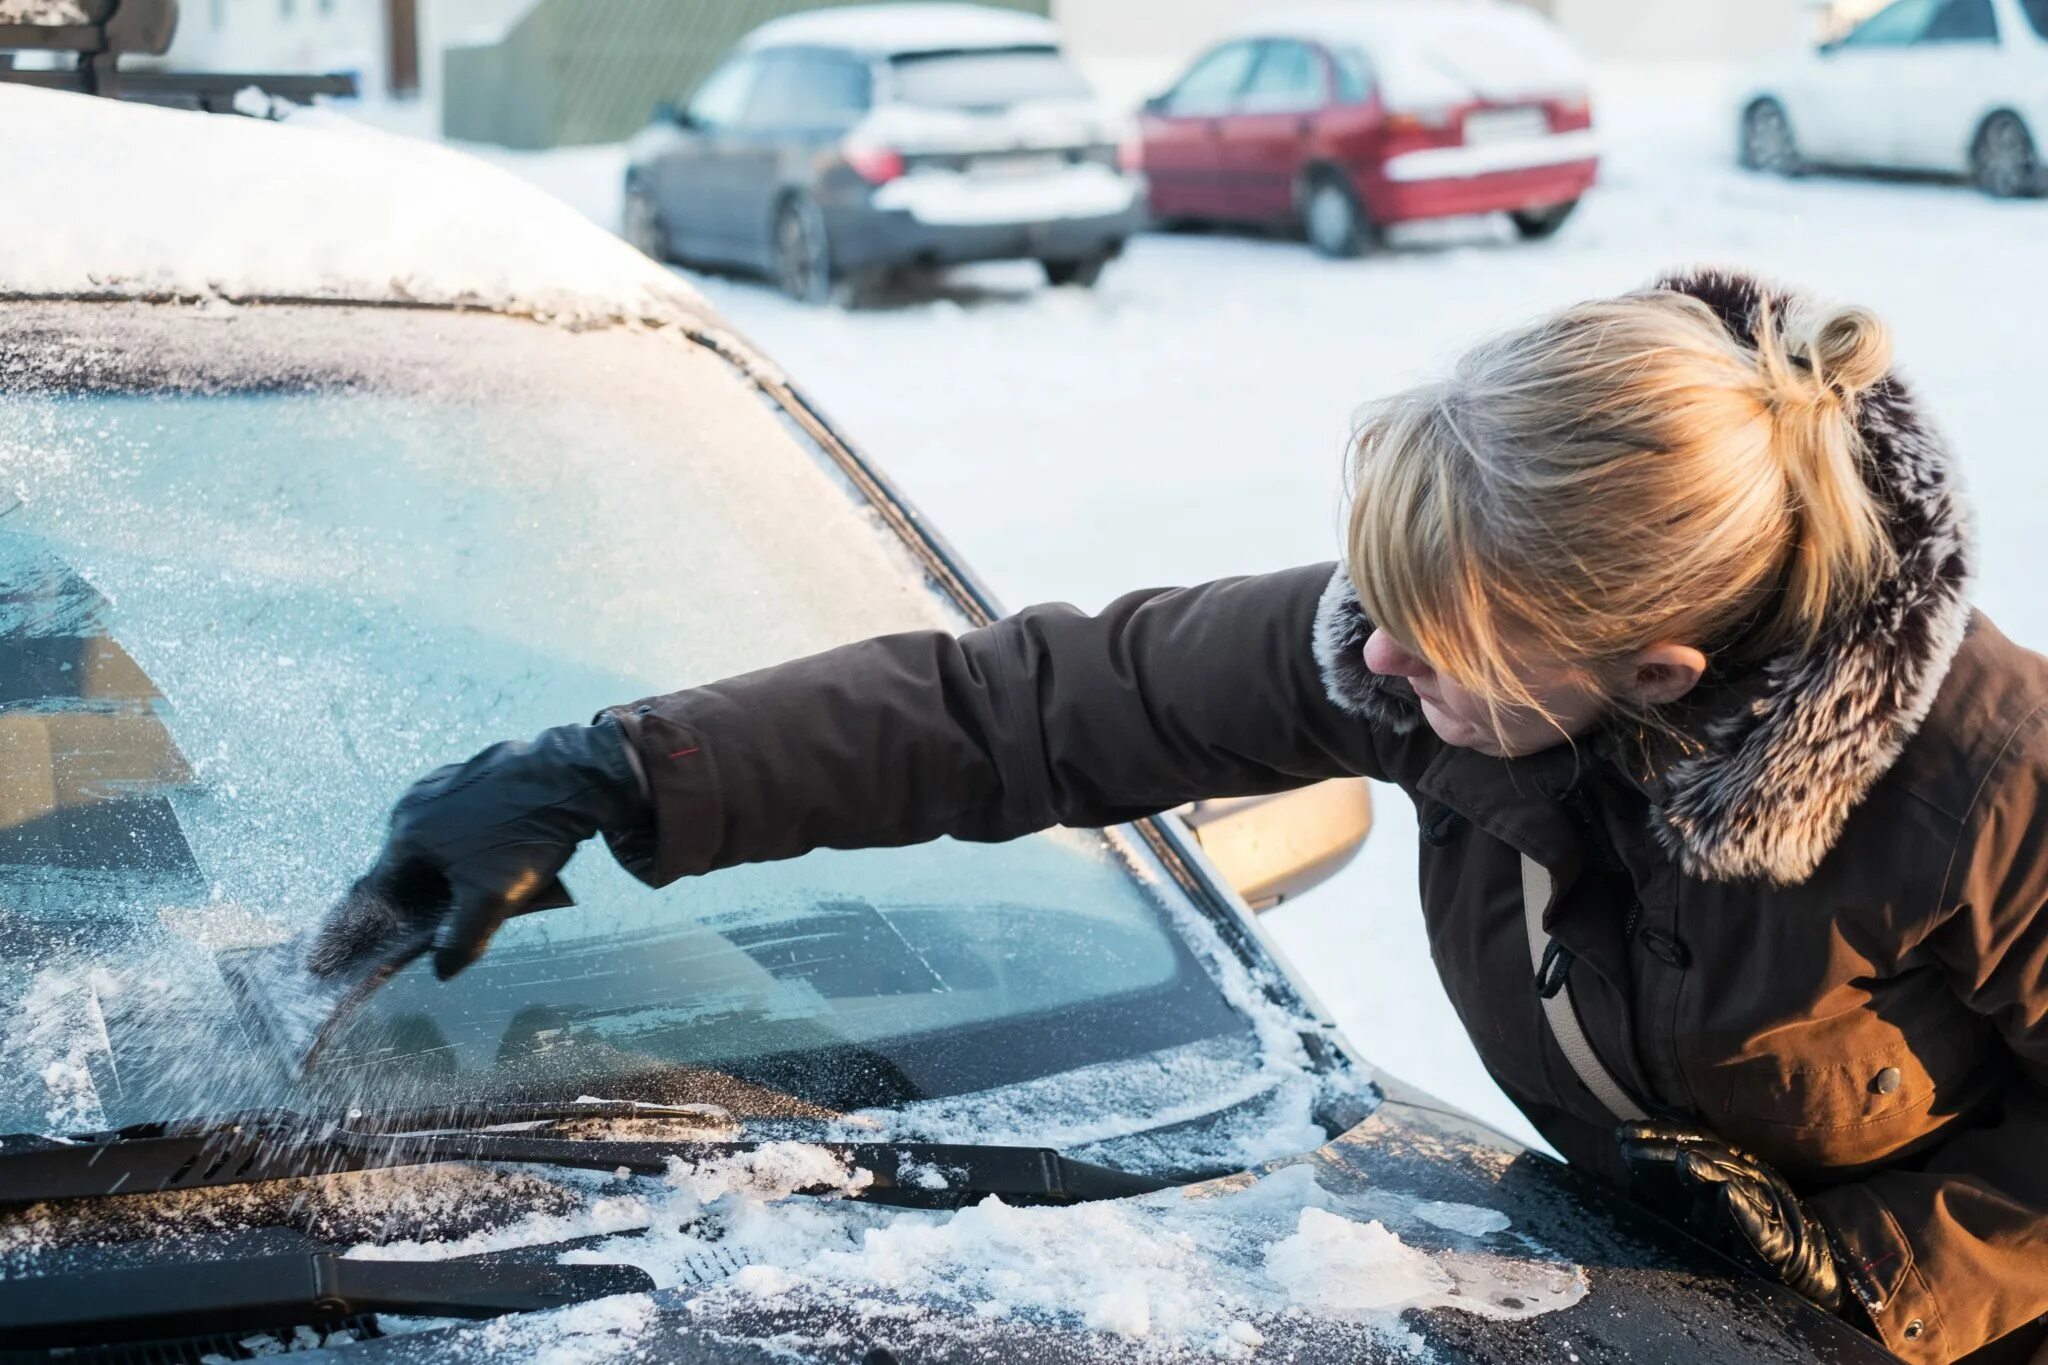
<point x="1273" y="848"/>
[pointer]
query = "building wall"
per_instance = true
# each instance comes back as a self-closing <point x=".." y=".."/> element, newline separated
<point x="328" y="35"/>
<point x="1135" y="47"/>
<point x="282" y="35"/>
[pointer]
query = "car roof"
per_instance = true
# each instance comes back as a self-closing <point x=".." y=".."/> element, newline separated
<point x="891" y="30"/>
<point x="1430" y="51"/>
<point x="107" y="199"/>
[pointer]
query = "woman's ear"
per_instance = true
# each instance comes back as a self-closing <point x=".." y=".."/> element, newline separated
<point x="1663" y="673"/>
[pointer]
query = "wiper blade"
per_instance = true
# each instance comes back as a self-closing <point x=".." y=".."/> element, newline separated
<point x="280" y="1145"/>
<point x="160" y="1302"/>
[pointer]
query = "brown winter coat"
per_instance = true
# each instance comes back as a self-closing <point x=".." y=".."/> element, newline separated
<point x="1818" y="929"/>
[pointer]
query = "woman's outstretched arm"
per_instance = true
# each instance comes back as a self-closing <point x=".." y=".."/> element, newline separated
<point x="1048" y="717"/>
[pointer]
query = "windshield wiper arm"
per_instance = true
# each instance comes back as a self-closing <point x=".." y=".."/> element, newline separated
<point x="160" y="1302"/>
<point x="284" y="1146"/>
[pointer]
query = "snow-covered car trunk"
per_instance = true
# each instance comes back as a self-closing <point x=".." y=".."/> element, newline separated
<point x="967" y="162"/>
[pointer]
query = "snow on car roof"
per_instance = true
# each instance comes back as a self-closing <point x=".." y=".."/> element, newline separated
<point x="888" y="29"/>
<point x="1433" y="51"/>
<point x="105" y="198"/>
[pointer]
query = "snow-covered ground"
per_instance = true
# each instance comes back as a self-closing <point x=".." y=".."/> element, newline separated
<point x="1188" y="418"/>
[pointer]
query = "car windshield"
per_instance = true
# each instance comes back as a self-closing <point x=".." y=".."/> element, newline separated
<point x="262" y="567"/>
<point x="985" y="80"/>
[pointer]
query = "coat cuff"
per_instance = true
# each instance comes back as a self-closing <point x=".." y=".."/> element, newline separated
<point x="683" y="832"/>
<point x="1878" y="1264"/>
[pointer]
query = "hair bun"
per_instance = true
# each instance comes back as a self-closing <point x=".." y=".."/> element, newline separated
<point x="1850" y="349"/>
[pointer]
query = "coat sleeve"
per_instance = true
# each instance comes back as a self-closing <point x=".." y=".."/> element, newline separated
<point x="1950" y="1251"/>
<point x="1048" y="717"/>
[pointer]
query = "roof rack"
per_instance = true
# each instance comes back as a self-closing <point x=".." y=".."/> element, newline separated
<point x="98" y="33"/>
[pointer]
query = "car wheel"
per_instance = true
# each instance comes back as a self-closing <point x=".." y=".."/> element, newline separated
<point x="1536" y="224"/>
<point x="641" y="225"/>
<point x="1336" y="223"/>
<point x="2004" y="163"/>
<point x="803" y="259"/>
<point x="1083" y="272"/>
<point x="1768" y="143"/>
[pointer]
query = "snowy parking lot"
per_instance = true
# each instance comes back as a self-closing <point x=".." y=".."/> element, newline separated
<point x="1188" y="418"/>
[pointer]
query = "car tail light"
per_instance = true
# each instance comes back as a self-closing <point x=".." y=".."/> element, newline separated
<point x="1571" y="113"/>
<point x="875" y="164"/>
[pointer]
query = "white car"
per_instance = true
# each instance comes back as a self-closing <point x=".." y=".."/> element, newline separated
<point x="1955" y="87"/>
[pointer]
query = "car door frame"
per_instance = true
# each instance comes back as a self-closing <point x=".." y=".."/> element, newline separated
<point x="1262" y="151"/>
<point x="683" y="177"/>
<point x="1846" y="117"/>
<point x="1945" y="87"/>
<point x="1188" y="183"/>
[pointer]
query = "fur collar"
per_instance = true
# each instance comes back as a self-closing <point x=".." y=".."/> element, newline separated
<point x="1773" y="769"/>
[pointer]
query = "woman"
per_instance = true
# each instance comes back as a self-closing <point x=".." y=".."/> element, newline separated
<point x="1657" y="611"/>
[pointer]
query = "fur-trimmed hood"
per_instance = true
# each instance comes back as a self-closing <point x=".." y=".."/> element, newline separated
<point x="1774" y="766"/>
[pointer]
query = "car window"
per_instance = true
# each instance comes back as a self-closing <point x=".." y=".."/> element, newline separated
<point x="985" y="80"/>
<point x="802" y="89"/>
<point x="260" y="570"/>
<point x="1894" y="26"/>
<point x="1354" y="74"/>
<point x="1288" y="78"/>
<point x="2037" y="15"/>
<point x="1962" y="21"/>
<point x="722" y="98"/>
<point x="1212" y="85"/>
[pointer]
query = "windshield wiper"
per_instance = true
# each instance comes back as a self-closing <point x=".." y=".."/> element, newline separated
<point x="284" y="1145"/>
<point x="160" y="1302"/>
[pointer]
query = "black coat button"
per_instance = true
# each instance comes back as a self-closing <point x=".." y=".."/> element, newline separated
<point x="1886" y="1081"/>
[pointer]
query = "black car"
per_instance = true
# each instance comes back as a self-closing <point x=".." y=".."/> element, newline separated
<point x="840" y="144"/>
<point x="273" y="544"/>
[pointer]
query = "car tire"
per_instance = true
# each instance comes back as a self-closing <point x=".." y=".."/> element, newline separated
<point x="1083" y="271"/>
<point x="2004" y="161"/>
<point x="1534" y="225"/>
<point x="1334" y="220"/>
<point x="803" y="257"/>
<point x="640" y="224"/>
<point x="1768" y="142"/>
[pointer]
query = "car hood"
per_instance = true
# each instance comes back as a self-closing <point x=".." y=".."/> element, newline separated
<point x="1415" y="1233"/>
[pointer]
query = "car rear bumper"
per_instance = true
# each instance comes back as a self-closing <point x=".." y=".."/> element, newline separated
<point x="1528" y="187"/>
<point x="938" y="222"/>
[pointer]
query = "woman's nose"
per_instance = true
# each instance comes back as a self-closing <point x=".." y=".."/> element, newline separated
<point x="1383" y="655"/>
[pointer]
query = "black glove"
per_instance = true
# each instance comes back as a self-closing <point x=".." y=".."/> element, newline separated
<point x="1735" y="1202"/>
<point x="475" y="843"/>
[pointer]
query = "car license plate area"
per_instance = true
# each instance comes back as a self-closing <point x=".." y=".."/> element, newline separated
<point x="1505" y="125"/>
<point x="1016" y="166"/>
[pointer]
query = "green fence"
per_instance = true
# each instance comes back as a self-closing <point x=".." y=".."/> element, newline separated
<point x="579" y="71"/>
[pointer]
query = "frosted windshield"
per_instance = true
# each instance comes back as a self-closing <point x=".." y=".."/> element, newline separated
<point x="260" y="569"/>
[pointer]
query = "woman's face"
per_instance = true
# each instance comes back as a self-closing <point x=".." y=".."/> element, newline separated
<point x="1573" y="702"/>
<point x="1570" y="702"/>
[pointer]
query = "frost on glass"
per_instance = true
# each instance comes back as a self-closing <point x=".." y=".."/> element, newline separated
<point x="260" y="569"/>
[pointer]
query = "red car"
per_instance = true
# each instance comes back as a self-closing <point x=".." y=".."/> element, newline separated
<point x="1347" y="118"/>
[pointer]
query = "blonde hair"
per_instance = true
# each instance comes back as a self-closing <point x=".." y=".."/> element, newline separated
<point x="1624" y="473"/>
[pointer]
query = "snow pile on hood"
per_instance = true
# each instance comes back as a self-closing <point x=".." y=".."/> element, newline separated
<point x="43" y="12"/>
<point x="1220" y="1269"/>
<point x="111" y="198"/>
